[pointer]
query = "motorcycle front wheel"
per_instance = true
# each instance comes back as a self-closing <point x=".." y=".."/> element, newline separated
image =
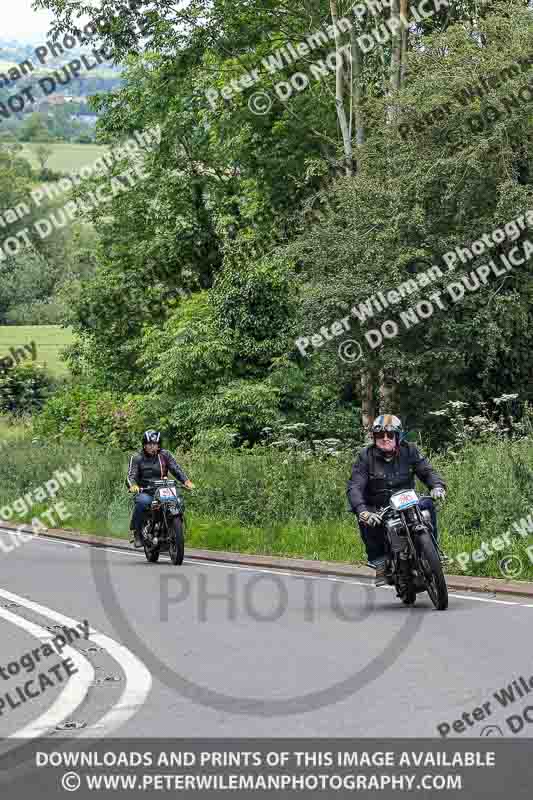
<point x="431" y="568"/>
<point x="176" y="545"/>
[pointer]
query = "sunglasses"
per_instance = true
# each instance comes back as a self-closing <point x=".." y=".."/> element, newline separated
<point x="383" y="434"/>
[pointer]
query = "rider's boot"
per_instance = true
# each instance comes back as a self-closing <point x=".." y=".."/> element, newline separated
<point x="379" y="565"/>
<point x="138" y="542"/>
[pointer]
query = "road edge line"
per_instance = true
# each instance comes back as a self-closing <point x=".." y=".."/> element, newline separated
<point x="455" y="582"/>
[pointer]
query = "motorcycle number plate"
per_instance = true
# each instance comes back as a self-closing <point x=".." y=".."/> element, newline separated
<point x="403" y="500"/>
<point x="166" y="493"/>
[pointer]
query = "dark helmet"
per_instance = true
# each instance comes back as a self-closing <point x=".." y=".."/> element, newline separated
<point x="152" y="437"/>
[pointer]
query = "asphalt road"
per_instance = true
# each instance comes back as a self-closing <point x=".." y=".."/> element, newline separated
<point x="211" y="650"/>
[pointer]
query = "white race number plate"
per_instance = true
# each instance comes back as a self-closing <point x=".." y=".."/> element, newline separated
<point x="402" y="500"/>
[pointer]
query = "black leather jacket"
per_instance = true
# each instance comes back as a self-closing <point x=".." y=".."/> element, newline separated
<point x="374" y="479"/>
<point x="143" y="468"/>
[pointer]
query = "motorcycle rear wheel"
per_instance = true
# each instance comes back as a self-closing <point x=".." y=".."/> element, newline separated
<point x="152" y="554"/>
<point x="431" y="569"/>
<point x="409" y="597"/>
<point x="150" y="551"/>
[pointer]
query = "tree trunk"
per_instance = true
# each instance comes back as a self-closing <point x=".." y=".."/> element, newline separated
<point x="357" y="89"/>
<point x="388" y="394"/>
<point x="396" y="59"/>
<point x="368" y="405"/>
<point x="344" y="125"/>
<point x="388" y="386"/>
<point x="404" y="11"/>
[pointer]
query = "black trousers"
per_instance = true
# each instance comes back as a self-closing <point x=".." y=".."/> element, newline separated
<point x="373" y="540"/>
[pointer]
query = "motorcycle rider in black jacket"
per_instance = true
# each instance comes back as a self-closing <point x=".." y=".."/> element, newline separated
<point x="382" y="468"/>
<point x="152" y="463"/>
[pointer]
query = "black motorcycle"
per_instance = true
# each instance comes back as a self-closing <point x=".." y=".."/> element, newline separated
<point x="164" y="528"/>
<point x="413" y="559"/>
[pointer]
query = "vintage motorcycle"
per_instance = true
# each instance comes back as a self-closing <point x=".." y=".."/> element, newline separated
<point x="164" y="528"/>
<point x="413" y="559"/>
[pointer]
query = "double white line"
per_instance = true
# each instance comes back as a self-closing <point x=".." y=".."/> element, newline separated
<point x="138" y="678"/>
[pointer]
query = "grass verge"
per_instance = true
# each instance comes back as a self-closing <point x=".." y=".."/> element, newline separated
<point x="272" y="504"/>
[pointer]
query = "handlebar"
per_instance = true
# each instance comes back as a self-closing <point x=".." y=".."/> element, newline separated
<point x="382" y="512"/>
<point x="154" y="485"/>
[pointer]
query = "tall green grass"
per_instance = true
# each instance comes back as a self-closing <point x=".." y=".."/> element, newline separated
<point x="283" y="505"/>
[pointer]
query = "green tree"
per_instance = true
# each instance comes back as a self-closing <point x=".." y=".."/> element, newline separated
<point x="238" y="203"/>
<point x="444" y="186"/>
<point x="34" y="129"/>
<point x="43" y="153"/>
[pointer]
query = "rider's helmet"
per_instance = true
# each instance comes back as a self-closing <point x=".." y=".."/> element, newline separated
<point x="152" y="437"/>
<point x="387" y="423"/>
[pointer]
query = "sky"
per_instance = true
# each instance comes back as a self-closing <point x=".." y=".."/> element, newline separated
<point x="19" y="21"/>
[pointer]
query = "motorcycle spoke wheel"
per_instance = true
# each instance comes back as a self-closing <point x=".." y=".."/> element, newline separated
<point x="150" y="551"/>
<point x="409" y="595"/>
<point x="176" y="542"/>
<point x="431" y="568"/>
<point x="430" y="581"/>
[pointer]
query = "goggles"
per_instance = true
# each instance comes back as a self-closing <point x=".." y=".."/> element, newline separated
<point x="381" y="433"/>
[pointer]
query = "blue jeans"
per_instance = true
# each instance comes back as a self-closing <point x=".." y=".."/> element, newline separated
<point x="143" y="502"/>
<point x="374" y="538"/>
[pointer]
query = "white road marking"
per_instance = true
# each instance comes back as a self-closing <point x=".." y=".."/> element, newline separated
<point x="491" y="600"/>
<point x="73" y="693"/>
<point x="290" y="574"/>
<point x="138" y="678"/>
<point x="294" y="573"/>
<point x="38" y="537"/>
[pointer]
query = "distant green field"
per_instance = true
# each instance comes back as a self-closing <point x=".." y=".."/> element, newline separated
<point x="66" y="157"/>
<point x="49" y="340"/>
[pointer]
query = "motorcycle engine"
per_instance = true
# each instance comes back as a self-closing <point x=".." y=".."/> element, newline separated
<point x="394" y="527"/>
